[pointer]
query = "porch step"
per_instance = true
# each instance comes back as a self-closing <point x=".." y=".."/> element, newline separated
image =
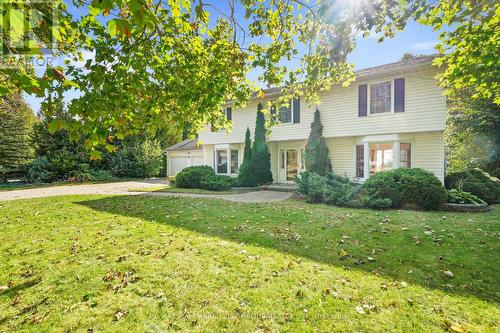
<point x="280" y="187"/>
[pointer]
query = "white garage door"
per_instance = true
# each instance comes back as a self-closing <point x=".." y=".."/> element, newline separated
<point x="178" y="163"/>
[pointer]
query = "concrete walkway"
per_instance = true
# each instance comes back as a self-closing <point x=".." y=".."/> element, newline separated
<point x="121" y="188"/>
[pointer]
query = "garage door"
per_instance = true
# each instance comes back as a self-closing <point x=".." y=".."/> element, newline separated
<point x="178" y="163"/>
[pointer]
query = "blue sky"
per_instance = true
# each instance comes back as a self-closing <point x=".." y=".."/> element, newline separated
<point x="415" y="38"/>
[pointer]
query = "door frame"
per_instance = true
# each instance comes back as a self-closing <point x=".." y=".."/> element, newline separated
<point x="283" y="172"/>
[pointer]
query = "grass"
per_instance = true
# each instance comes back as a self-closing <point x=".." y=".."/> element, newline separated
<point x="27" y="186"/>
<point x="138" y="263"/>
<point x="173" y="189"/>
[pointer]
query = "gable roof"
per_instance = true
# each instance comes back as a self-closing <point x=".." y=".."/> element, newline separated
<point x="188" y="144"/>
<point x="370" y="71"/>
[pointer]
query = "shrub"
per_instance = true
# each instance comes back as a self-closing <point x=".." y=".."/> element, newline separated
<point x="462" y="197"/>
<point x="317" y="158"/>
<point x="339" y="190"/>
<point x="39" y="171"/>
<point x="80" y="174"/>
<point x="191" y="177"/>
<point x="395" y="188"/>
<point x="148" y="155"/>
<point x="245" y="176"/>
<point x="217" y="183"/>
<point x="171" y="180"/>
<point x="261" y="159"/>
<point x="331" y="189"/>
<point x="311" y="186"/>
<point x="477" y="182"/>
<point x="101" y="175"/>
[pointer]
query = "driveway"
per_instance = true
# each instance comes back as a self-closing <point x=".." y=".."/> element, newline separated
<point x="121" y="188"/>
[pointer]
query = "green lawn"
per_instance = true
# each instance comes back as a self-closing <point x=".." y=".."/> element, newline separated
<point x="138" y="263"/>
<point x="173" y="189"/>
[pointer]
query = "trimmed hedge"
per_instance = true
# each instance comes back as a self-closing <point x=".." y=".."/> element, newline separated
<point x="477" y="182"/>
<point x="202" y="177"/>
<point x="191" y="177"/>
<point x="395" y="188"/>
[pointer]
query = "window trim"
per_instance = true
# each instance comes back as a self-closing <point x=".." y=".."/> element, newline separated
<point x="230" y="170"/>
<point x="368" y="98"/>
<point x="292" y="118"/>
<point x="229" y="161"/>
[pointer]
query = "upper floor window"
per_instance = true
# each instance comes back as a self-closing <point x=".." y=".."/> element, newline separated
<point x="380" y="97"/>
<point x="228" y="113"/>
<point x="285" y="115"/>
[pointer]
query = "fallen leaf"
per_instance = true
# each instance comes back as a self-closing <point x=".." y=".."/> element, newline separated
<point x="360" y="309"/>
<point x="449" y="274"/>
<point x="118" y="314"/>
<point x="343" y="254"/>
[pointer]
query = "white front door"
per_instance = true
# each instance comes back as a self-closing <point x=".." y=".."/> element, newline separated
<point x="288" y="165"/>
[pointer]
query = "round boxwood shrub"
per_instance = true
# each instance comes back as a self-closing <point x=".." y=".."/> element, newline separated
<point x="477" y="182"/>
<point x="395" y="188"/>
<point x="192" y="177"/>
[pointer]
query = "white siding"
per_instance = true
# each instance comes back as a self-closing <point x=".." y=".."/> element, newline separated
<point x="425" y="108"/>
<point x="342" y="155"/>
<point x="428" y="153"/>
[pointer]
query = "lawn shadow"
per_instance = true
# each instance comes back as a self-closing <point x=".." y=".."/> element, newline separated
<point x="393" y="244"/>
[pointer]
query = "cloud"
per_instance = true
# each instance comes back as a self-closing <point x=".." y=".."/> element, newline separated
<point x="423" y="46"/>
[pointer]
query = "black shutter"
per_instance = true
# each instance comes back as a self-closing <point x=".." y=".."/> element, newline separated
<point x="296" y="110"/>
<point x="273" y="109"/>
<point x="362" y="100"/>
<point x="399" y="95"/>
<point x="259" y="107"/>
<point x="229" y="113"/>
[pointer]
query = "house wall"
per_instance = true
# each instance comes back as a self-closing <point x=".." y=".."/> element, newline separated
<point x="425" y="108"/>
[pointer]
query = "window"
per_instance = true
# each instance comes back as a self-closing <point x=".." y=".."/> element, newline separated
<point x="228" y="113"/>
<point x="380" y="97"/>
<point x="234" y="161"/>
<point x="405" y="155"/>
<point x="381" y="157"/>
<point x="282" y="158"/>
<point x="360" y="161"/>
<point x="302" y="159"/>
<point x="285" y="114"/>
<point x="221" y="161"/>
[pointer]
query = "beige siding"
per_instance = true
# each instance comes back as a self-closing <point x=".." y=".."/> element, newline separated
<point x="425" y="108"/>
<point x="428" y="153"/>
<point x="342" y="155"/>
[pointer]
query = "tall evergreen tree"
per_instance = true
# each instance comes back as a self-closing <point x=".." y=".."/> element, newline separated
<point x="245" y="171"/>
<point x="16" y="135"/>
<point x="317" y="157"/>
<point x="261" y="159"/>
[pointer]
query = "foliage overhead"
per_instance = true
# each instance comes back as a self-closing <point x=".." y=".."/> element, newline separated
<point x="178" y="61"/>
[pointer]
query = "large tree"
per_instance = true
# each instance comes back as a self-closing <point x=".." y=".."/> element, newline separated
<point x="17" y="147"/>
<point x="178" y="61"/>
<point x="473" y="133"/>
<point x="317" y="154"/>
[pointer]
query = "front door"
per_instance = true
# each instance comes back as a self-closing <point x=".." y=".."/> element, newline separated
<point x="292" y="164"/>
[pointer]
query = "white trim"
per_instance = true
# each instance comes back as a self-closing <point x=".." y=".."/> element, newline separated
<point x="228" y="150"/>
<point x="368" y="97"/>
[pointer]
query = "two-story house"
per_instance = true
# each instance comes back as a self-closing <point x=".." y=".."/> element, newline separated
<point x="392" y="116"/>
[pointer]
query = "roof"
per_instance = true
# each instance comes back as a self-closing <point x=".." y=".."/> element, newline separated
<point x="189" y="144"/>
<point x="399" y="65"/>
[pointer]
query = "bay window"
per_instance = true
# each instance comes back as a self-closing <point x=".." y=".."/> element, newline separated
<point x="221" y="161"/>
<point x="234" y="161"/>
<point x="405" y="155"/>
<point x="381" y="157"/>
<point x="227" y="161"/>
